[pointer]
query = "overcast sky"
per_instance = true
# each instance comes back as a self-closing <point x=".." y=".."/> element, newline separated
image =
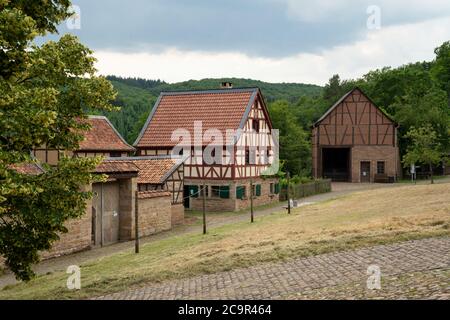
<point x="269" y="40"/>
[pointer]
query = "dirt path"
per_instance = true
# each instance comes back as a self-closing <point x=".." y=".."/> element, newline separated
<point x="213" y="220"/>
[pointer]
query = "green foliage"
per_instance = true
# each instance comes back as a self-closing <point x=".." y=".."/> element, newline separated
<point x="416" y="110"/>
<point x="136" y="104"/>
<point x="295" y="147"/>
<point x="271" y="91"/>
<point x="441" y="67"/>
<point x="44" y="93"/>
<point x="136" y="82"/>
<point x="388" y="86"/>
<point x="335" y="89"/>
<point x="20" y="22"/>
<point x="424" y="147"/>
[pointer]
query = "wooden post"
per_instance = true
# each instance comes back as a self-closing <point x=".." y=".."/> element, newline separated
<point x="204" y="207"/>
<point x="288" y="193"/>
<point x="136" y="223"/>
<point x="251" y="200"/>
<point x="431" y="172"/>
<point x="101" y="215"/>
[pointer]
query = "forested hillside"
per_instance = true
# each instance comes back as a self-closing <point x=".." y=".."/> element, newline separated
<point x="135" y="104"/>
<point x="414" y="95"/>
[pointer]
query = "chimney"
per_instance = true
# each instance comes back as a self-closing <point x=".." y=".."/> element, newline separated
<point x="226" y="85"/>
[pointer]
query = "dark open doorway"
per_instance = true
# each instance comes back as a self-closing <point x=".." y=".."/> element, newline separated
<point x="336" y="164"/>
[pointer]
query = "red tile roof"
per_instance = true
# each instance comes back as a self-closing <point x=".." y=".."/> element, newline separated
<point x="103" y="137"/>
<point x="152" y="170"/>
<point x="219" y="109"/>
<point x="27" y="168"/>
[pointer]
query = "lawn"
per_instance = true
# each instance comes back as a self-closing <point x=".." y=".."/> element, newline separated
<point x="360" y="219"/>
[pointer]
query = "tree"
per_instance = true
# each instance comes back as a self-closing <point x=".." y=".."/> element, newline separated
<point x="45" y="93"/>
<point x="295" y="147"/>
<point x="335" y="88"/>
<point x="424" y="148"/>
<point x="430" y="108"/>
<point x="391" y="86"/>
<point x="441" y="67"/>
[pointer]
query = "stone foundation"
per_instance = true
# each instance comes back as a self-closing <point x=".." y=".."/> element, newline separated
<point x="217" y="204"/>
<point x="373" y="154"/>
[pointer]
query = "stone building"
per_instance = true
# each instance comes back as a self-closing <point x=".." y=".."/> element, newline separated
<point x="157" y="174"/>
<point x="355" y="141"/>
<point x="110" y="214"/>
<point x="227" y="136"/>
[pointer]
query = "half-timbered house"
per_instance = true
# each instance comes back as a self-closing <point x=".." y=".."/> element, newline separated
<point x="355" y="141"/>
<point x="227" y="134"/>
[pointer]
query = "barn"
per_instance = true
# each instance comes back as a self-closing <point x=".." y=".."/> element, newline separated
<point x="355" y="141"/>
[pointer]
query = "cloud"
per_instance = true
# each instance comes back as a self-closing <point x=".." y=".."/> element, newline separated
<point x="257" y="28"/>
<point x="390" y="46"/>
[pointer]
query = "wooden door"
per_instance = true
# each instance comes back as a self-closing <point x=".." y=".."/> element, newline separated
<point x="365" y="171"/>
<point x="105" y="209"/>
<point x="110" y="213"/>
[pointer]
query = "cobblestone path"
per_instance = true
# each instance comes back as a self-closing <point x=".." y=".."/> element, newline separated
<point x="418" y="269"/>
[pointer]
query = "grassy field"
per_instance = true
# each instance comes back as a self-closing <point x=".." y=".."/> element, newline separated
<point x="360" y="219"/>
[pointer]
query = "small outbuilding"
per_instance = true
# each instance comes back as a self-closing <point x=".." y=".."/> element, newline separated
<point x="355" y="141"/>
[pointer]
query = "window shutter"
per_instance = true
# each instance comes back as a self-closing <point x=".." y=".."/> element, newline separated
<point x="224" y="192"/>
<point x="240" y="192"/>
<point x="258" y="190"/>
<point x="277" y="188"/>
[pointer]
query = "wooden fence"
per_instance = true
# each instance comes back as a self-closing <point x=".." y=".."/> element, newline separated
<point x="306" y="189"/>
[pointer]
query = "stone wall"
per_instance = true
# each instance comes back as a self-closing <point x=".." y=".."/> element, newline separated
<point x="155" y="212"/>
<point x="265" y="198"/>
<point x="177" y="214"/>
<point x="373" y="154"/>
<point x="215" y="204"/>
<point x="78" y="237"/>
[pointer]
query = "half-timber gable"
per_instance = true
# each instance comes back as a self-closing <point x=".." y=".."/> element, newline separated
<point x="246" y="152"/>
<point x="355" y="141"/>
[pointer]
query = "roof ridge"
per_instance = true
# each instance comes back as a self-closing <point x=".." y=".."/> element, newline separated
<point x="159" y="157"/>
<point x="204" y="91"/>
<point x="96" y="116"/>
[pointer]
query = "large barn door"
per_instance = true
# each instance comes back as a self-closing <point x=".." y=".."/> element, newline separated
<point x="365" y="171"/>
